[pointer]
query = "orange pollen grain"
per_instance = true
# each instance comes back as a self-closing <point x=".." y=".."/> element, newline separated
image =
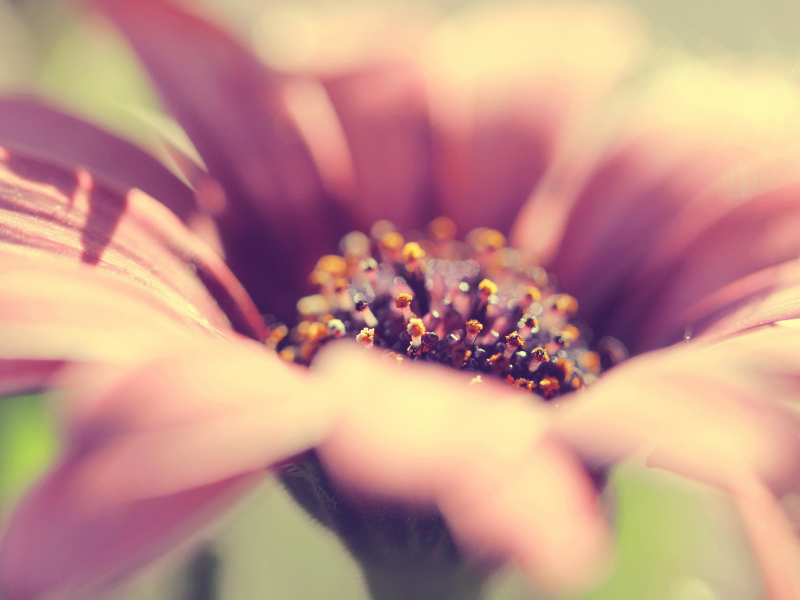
<point x="488" y="287"/>
<point x="474" y="327"/>
<point x="403" y="300"/>
<point x="416" y="328"/>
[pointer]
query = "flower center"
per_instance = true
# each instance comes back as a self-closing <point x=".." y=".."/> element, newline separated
<point x="474" y="305"/>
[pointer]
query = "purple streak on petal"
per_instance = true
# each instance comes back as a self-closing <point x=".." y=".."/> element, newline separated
<point x="633" y="195"/>
<point x="384" y="112"/>
<point x="754" y="235"/>
<point x="70" y="215"/>
<point x="765" y="297"/>
<point x="279" y="217"/>
<point x="33" y="127"/>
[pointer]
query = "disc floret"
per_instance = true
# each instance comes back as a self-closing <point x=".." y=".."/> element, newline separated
<point x="468" y="306"/>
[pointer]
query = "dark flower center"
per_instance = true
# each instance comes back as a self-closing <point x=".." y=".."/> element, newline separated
<point x="476" y="306"/>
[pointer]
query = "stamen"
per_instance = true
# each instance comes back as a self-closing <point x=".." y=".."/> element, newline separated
<point x="416" y="329"/>
<point x="363" y="309"/>
<point x="337" y="328"/>
<point x="412" y="254"/>
<point x="513" y="343"/>
<point x="528" y="326"/>
<point x="366" y="337"/>
<point x="566" y="304"/>
<point x="478" y="310"/>
<point x="403" y="303"/>
<point x="548" y="387"/>
<point x="474" y="327"/>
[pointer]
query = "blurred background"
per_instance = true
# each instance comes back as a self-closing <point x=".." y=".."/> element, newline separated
<point x="677" y="541"/>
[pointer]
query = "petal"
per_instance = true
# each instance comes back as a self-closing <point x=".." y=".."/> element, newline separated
<point x="68" y="215"/>
<point x="154" y="452"/>
<point x="31" y="126"/>
<point x="765" y="297"/>
<point x="714" y="412"/>
<point x="700" y="169"/>
<point x="509" y="84"/>
<point x="278" y="217"/>
<point x="479" y="454"/>
<point x="52" y="311"/>
<point x="383" y="110"/>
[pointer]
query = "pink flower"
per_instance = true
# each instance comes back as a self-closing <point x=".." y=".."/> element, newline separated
<point x="171" y="413"/>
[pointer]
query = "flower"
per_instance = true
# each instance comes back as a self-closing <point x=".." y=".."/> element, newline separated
<point x="172" y="413"/>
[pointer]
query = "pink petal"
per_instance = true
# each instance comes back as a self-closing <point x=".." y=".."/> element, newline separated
<point x="688" y="198"/>
<point x="758" y="234"/>
<point x="154" y="452"/>
<point x="714" y="412"/>
<point x="278" y="217"/>
<point x="765" y="297"/>
<point x="478" y="453"/>
<point x="509" y="85"/>
<point x="53" y="310"/>
<point x="47" y="210"/>
<point x="383" y="110"/>
<point x="36" y="129"/>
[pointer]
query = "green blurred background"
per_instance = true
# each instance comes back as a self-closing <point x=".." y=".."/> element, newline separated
<point x="677" y="541"/>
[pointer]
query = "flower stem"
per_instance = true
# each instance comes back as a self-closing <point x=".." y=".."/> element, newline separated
<point x="425" y="584"/>
<point x="202" y="576"/>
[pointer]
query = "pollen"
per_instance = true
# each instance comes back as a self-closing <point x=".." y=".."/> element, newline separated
<point x="548" y="387"/>
<point x="483" y="240"/>
<point x="488" y="287"/>
<point x="483" y="309"/>
<point x="403" y="300"/>
<point x="532" y="294"/>
<point x="366" y="337"/>
<point x="416" y="329"/>
<point x="412" y="252"/>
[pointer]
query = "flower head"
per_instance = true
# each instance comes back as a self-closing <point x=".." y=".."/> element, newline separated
<point x="173" y="413"/>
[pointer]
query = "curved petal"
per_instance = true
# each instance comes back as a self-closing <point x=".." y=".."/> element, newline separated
<point x="765" y="297"/>
<point x="701" y="170"/>
<point x="278" y="216"/>
<point x="155" y="449"/>
<point x="715" y="412"/>
<point x="480" y="454"/>
<point x="153" y="453"/>
<point x="33" y="127"/>
<point x="47" y="210"/>
<point x="510" y="84"/>
<point x="383" y="110"/>
<point x="366" y="57"/>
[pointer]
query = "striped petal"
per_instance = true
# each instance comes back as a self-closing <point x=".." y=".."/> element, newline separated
<point x="277" y="216"/>
<point x="31" y="126"/>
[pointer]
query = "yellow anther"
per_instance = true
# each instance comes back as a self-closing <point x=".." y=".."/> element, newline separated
<point x="412" y="252"/>
<point x="487" y="287"/>
<point x="403" y="300"/>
